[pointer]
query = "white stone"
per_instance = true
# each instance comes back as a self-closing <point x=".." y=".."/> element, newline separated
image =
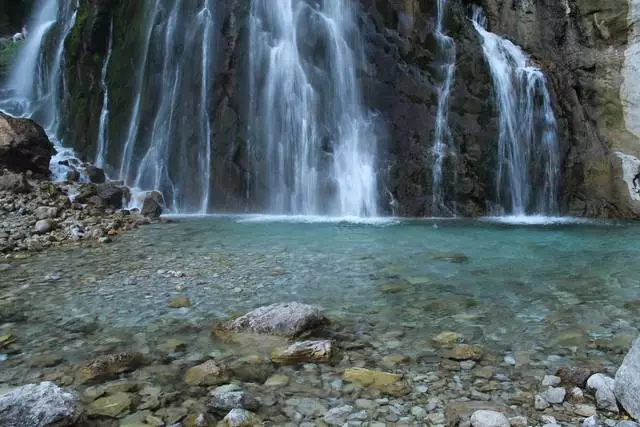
<point x="489" y="419"/>
<point x="510" y="360"/>
<point x="585" y="410"/>
<point x="551" y="381"/>
<point x="603" y="387"/>
<point x="518" y="421"/>
<point x="548" y="419"/>
<point x="39" y="405"/>
<point x="555" y="395"/>
<point x="591" y="422"/>
<point x="627" y="382"/>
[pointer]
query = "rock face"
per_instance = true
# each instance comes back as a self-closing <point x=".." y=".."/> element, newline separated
<point x="24" y="146"/>
<point x="588" y="49"/>
<point x="39" y="405"/>
<point x="627" y="382"/>
<point x="283" y="319"/>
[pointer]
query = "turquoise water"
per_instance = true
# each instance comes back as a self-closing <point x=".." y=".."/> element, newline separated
<point x="549" y="290"/>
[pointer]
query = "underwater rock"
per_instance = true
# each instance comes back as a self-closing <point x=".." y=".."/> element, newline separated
<point x="304" y="351"/>
<point x="109" y="365"/>
<point x="207" y="374"/>
<point x="111" y="406"/>
<point x="240" y="418"/>
<point x="283" y="319"/>
<point x="465" y="352"/>
<point x="385" y="382"/>
<point x="225" y="398"/>
<point x="179" y="302"/>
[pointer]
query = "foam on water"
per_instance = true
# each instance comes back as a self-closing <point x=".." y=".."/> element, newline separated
<point x="536" y="220"/>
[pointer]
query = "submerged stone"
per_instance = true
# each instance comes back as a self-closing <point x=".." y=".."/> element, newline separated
<point x="465" y="352"/>
<point x="179" y="302"/>
<point x="111" y="406"/>
<point x="457" y="258"/>
<point x="284" y="319"/>
<point x="385" y="382"/>
<point x="240" y="418"/>
<point x="206" y="374"/>
<point x="304" y="352"/>
<point x="109" y="365"/>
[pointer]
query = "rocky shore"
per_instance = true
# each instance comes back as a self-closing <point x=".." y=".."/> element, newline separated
<point x="291" y="366"/>
<point x="36" y="213"/>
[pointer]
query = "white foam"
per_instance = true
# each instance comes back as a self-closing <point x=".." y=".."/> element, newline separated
<point x="303" y="219"/>
<point x="535" y="220"/>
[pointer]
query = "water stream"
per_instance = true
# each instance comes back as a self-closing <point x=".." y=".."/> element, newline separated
<point x="312" y="143"/>
<point x="528" y="171"/>
<point x="103" y="127"/>
<point x="442" y="138"/>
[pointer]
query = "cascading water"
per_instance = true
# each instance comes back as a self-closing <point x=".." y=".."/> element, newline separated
<point x="312" y="144"/>
<point x="173" y="153"/>
<point x="528" y="155"/>
<point x="36" y="86"/>
<point x="442" y="140"/>
<point x="103" y="127"/>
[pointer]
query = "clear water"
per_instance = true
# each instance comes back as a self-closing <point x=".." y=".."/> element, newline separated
<point x="312" y="144"/>
<point x="518" y="288"/>
<point x="528" y="171"/>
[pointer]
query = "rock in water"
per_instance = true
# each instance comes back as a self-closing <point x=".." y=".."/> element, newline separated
<point x="95" y="174"/>
<point x="106" y="366"/>
<point x="39" y="405"/>
<point x="489" y="419"/>
<point x="151" y="207"/>
<point x="627" y="382"/>
<point x="24" y="146"/>
<point x="284" y="319"/>
<point x="383" y="381"/>
<point x="603" y="387"/>
<point x="207" y="373"/>
<point x="304" y="351"/>
<point x="222" y="401"/>
<point x="44" y="226"/>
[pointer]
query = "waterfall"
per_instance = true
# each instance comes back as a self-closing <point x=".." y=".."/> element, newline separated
<point x="442" y="139"/>
<point x="103" y="130"/>
<point x="312" y="142"/>
<point x="528" y="156"/>
<point x="168" y="143"/>
<point x="36" y="86"/>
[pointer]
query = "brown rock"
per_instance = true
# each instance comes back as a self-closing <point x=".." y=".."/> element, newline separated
<point x="107" y="366"/>
<point x="207" y="373"/>
<point x="465" y="352"/>
<point x="24" y="146"/>
<point x="575" y="375"/>
<point x="304" y="352"/>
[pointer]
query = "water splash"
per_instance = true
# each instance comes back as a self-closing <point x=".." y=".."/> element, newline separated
<point x="103" y="127"/>
<point x="442" y="139"/>
<point x="528" y="156"/>
<point x="36" y="86"/>
<point x="312" y="144"/>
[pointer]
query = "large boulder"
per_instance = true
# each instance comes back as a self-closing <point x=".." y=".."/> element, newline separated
<point x="14" y="182"/>
<point x="40" y="405"/>
<point x="627" y="381"/>
<point x="24" y="146"/>
<point x="283" y="319"/>
<point x="152" y="204"/>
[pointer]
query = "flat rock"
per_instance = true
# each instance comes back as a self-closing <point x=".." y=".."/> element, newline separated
<point x="603" y="386"/>
<point x="106" y="366"/>
<point x="385" y="382"/>
<point x="485" y="418"/>
<point x="207" y="373"/>
<point x="304" y="352"/>
<point x="465" y="352"/>
<point x="283" y="319"/>
<point x="627" y="382"/>
<point x="111" y="406"/>
<point x="39" y="405"/>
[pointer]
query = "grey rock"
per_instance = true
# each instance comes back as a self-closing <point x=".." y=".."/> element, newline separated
<point x="540" y="403"/>
<point x="46" y="212"/>
<point x="338" y="416"/>
<point x="627" y="382"/>
<point x="286" y="319"/>
<point x="95" y="174"/>
<point x="44" y="226"/>
<point x="39" y="405"/>
<point x="240" y="418"/>
<point x="627" y="424"/>
<point x="14" y="182"/>
<point x="151" y="207"/>
<point x="551" y="381"/>
<point x="489" y="419"/>
<point x="591" y="422"/>
<point x="223" y="401"/>
<point x="555" y="395"/>
<point x="308" y="407"/>
<point x="603" y="387"/>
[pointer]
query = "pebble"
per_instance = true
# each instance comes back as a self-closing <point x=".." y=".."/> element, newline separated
<point x="510" y="360"/>
<point x="418" y="412"/>
<point x="338" y="416"/>
<point x="554" y="395"/>
<point x="485" y="418"/>
<point x="551" y="381"/>
<point x="540" y="403"/>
